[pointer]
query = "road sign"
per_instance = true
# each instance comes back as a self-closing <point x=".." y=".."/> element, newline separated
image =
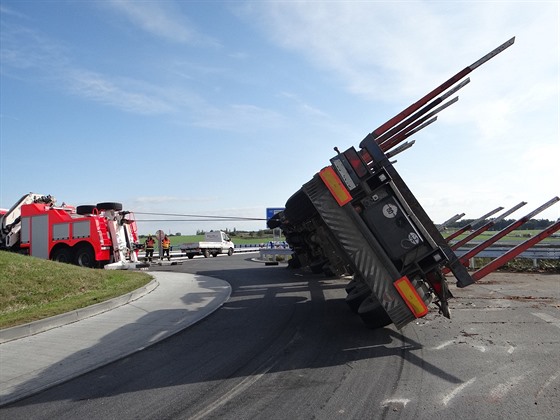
<point x="271" y="211"/>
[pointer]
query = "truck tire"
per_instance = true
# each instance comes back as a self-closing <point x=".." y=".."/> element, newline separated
<point x="373" y="314"/>
<point x="84" y="256"/>
<point x="85" y="209"/>
<point x="294" y="262"/>
<point x="317" y="268"/>
<point x="230" y="252"/>
<point x="351" y="285"/>
<point x="110" y="206"/>
<point x="190" y="256"/>
<point x="357" y="295"/>
<point x="299" y="208"/>
<point x="206" y="253"/>
<point x="62" y="254"/>
<point x="215" y="254"/>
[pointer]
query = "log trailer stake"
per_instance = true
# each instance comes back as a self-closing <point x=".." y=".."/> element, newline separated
<point x="514" y="252"/>
<point x="499" y="235"/>
<point x="358" y="217"/>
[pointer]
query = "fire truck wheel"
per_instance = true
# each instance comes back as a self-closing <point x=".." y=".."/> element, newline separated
<point x="85" y="209"/>
<point x="109" y="206"/>
<point x="62" y="254"/>
<point x="84" y="256"/>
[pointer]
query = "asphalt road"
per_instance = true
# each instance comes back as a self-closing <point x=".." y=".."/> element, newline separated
<point x="286" y="346"/>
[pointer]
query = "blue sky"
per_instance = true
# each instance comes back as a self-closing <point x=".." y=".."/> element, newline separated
<point x="227" y="108"/>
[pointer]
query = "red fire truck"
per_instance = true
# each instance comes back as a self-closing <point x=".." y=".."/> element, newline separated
<point x="101" y="235"/>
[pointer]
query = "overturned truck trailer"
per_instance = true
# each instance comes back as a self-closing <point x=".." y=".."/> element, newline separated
<point x="358" y="217"/>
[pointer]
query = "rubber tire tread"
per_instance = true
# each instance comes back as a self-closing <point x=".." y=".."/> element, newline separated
<point x="110" y="206"/>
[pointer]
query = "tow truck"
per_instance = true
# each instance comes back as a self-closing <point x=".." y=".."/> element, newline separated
<point x="95" y="236"/>
<point x="357" y="217"/>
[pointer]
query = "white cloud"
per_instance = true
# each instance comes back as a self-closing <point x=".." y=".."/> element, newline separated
<point x="98" y="87"/>
<point x="241" y="118"/>
<point x="162" y="19"/>
<point x="29" y="54"/>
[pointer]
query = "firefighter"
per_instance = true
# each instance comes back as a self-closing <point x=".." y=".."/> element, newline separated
<point x="166" y="244"/>
<point x="149" y="246"/>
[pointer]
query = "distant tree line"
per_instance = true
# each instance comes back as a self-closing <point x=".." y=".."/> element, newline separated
<point x="533" y="224"/>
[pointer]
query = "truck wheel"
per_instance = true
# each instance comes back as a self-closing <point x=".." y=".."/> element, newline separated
<point x="230" y="252"/>
<point x="84" y="256"/>
<point x="109" y="206"/>
<point x="205" y="253"/>
<point x="357" y="295"/>
<point x="85" y="209"/>
<point x="351" y="285"/>
<point x="373" y="314"/>
<point x="190" y="256"/>
<point x="294" y="262"/>
<point x="299" y="208"/>
<point x="328" y="271"/>
<point x="214" y="254"/>
<point x="317" y="268"/>
<point x="63" y="255"/>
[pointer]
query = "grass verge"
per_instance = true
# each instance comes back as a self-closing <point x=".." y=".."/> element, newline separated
<point x="33" y="288"/>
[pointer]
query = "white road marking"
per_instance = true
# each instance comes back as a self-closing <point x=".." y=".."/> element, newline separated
<point x="444" y="344"/>
<point x="502" y="389"/>
<point x="244" y="384"/>
<point x="236" y="390"/>
<point x="456" y="391"/>
<point x="548" y="383"/>
<point x="548" y="318"/>
<point x="399" y="401"/>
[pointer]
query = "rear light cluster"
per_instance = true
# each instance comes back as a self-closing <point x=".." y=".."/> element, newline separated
<point x="356" y="162"/>
<point x="345" y="174"/>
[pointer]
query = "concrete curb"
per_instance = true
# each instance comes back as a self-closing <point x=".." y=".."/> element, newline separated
<point x="36" y="327"/>
<point x="37" y="362"/>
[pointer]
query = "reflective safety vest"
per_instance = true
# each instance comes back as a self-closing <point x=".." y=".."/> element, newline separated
<point x="150" y="243"/>
<point x="166" y="243"/>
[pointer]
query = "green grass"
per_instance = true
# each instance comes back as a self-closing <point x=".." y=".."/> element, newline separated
<point x="517" y="236"/>
<point x="33" y="288"/>
<point x="522" y="265"/>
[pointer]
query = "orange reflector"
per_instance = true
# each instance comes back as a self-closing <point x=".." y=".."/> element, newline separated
<point x="335" y="185"/>
<point x="411" y="297"/>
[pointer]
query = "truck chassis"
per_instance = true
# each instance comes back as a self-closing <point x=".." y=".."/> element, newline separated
<point x="358" y="217"/>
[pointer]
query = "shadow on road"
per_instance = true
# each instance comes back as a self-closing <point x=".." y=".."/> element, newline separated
<point x="277" y="320"/>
